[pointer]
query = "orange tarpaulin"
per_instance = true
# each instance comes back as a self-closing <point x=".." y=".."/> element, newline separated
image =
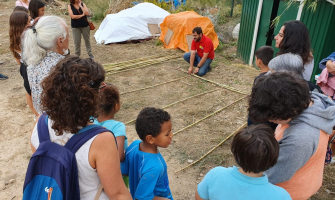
<point x="182" y="24"/>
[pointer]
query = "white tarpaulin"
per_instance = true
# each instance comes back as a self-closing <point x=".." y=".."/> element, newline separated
<point x="130" y="24"/>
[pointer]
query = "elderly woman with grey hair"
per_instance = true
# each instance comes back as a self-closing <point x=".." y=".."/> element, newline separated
<point x="44" y="44"/>
<point x="291" y="63"/>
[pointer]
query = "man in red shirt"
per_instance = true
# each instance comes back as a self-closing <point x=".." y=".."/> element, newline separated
<point x="202" y="53"/>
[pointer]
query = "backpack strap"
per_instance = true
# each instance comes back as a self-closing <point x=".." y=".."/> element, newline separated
<point x="42" y="128"/>
<point x="79" y="139"/>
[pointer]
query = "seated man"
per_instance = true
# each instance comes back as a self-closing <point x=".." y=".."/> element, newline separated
<point x="305" y="121"/>
<point x="202" y="53"/>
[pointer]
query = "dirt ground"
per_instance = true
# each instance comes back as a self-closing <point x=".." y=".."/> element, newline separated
<point x="16" y="119"/>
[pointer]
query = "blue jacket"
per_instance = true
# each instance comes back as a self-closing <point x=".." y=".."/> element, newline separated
<point x="323" y="62"/>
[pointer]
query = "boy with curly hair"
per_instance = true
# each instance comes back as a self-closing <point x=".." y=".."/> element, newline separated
<point x="144" y="164"/>
<point x="305" y="121"/>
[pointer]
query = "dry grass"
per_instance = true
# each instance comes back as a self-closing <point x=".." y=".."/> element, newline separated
<point x="116" y="6"/>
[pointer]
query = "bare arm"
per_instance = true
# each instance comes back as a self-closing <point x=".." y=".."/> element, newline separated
<point x="104" y="157"/>
<point x="72" y="15"/>
<point x="84" y="9"/>
<point x="120" y="143"/>
<point x="203" y="59"/>
<point x="190" y="69"/>
<point x="197" y="197"/>
<point x="18" y="61"/>
<point x="30" y="104"/>
<point x="31" y="145"/>
<point x="331" y="67"/>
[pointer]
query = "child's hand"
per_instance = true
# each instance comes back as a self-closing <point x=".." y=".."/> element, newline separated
<point x="331" y="67"/>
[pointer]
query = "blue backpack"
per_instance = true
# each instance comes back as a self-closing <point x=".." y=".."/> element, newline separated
<point x="52" y="172"/>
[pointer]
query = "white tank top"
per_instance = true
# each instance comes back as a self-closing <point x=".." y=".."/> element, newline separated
<point x="89" y="181"/>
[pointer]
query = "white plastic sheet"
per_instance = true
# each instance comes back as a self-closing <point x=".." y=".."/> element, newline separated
<point x="130" y="24"/>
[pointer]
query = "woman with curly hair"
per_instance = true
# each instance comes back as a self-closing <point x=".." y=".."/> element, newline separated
<point x="70" y="98"/>
<point x="305" y="121"/>
<point x="18" y="22"/>
<point x="293" y="37"/>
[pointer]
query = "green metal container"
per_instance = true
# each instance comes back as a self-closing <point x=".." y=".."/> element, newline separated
<point x="248" y="19"/>
<point x="321" y="26"/>
<point x="320" y="23"/>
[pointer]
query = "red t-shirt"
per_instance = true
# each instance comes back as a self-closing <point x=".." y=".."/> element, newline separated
<point x="205" y="45"/>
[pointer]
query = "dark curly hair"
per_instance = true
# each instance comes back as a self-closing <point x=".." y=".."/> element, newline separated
<point x="255" y="148"/>
<point x="296" y="40"/>
<point x="149" y="122"/>
<point x="109" y="97"/>
<point x="279" y="95"/>
<point x="70" y="93"/>
<point x="197" y="30"/>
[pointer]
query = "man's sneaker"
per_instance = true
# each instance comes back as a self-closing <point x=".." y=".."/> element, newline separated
<point x="3" y="77"/>
<point x="209" y="69"/>
<point x="91" y="56"/>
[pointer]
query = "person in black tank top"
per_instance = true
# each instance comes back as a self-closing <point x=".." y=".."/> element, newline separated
<point x="79" y="24"/>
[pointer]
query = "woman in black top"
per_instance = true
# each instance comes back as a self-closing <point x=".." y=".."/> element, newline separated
<point x="78" y="12"/>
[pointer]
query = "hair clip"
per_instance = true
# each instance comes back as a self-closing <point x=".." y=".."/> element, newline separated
<point x="34" y="29"/>
<point x="91" y="83"/>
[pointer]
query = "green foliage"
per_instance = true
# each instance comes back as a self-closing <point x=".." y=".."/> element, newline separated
<point x="311" y="4"/>
<point x="101" y="7"/>
<point x="158" y="42"/>
<point x="169" y="6"/>
<point x="98" y="8"/>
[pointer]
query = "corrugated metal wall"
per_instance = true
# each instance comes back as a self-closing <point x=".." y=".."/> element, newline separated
<point x="248" y="19"/>
<point x="321" y="26"/>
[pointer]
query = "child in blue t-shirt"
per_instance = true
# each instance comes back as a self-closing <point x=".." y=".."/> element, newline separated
<point x="109" y="105"/>
<point x="144" y="164"/>
<point x="255" y="150"/>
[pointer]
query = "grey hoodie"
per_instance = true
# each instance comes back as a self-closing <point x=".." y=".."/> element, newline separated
<point x="300" y="140"/>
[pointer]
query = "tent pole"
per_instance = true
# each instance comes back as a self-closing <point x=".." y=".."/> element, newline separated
<point x="301" y="6"/>
<point x="260" y="4"/>
<point x="232" y="8"/>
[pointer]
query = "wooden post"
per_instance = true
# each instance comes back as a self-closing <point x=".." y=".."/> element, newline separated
<point x="232" y="8"/>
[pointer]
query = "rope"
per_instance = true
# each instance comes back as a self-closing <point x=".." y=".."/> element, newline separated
<point x="178" y="102"/>
<point x="208" y="116"/>
<point x="153" y="85"/>
<point x="209" y="152"/>
<point x="218" y="84"/>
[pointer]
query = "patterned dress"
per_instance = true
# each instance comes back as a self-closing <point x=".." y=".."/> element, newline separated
<point x="36" y="74"/>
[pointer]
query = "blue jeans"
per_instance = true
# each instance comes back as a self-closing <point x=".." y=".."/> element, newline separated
<point x="204" y="68"/>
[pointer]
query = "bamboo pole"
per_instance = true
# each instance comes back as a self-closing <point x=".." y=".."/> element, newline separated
<point x="209" y="152"/>
<point x="208" y="116"/>
<point x="178" y="102"/>
<point x="130" y="61"/>
<point x="153" y="85"/>
<point x="219" y="84"/>
<point x="134" y="68"/>
<point x="123" y="66"/>
<point x="134" y="63"/>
